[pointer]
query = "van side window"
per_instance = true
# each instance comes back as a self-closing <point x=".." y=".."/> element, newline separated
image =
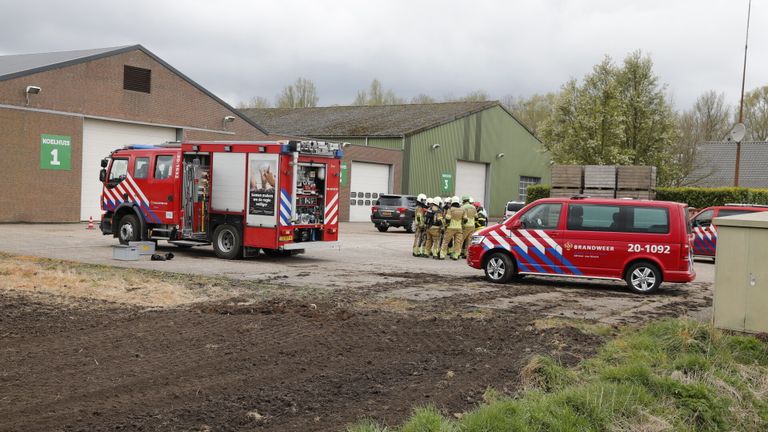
<point x="649" y="220"/>
<point x="593" y="217"/>
<point x="542" y="216"/>
<point x="141" y="168"/>
<point x="163" y="167"/>
<point x="704" y="219"/>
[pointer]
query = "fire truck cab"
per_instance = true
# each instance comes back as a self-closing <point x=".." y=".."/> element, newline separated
<point x="242" y="197"/>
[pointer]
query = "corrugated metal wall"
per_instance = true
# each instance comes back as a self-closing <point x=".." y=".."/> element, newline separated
<point x="475" y="138"/>
<point x="479" y="137"/>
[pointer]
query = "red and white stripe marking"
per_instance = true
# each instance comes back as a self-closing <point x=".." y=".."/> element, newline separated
<point x="332" y="209"/>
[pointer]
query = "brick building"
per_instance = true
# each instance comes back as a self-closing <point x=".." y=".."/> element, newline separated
<point x="62" y="112"/>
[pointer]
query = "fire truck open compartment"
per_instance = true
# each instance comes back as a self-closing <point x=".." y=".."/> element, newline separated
<point x="310" y="202"/>
<point x="195" y="195"/>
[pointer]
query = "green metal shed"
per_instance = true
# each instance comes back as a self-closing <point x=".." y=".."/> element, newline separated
<point x="452" y="148"/>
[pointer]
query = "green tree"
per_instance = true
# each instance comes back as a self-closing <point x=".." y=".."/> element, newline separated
<point x="301" y="94"/>
<point x="756" y="114"/>
<point x="376" y="95"/>
<point x="617" y="115"/>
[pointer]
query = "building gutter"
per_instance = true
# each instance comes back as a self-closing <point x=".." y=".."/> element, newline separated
<point x="113" y="119"/>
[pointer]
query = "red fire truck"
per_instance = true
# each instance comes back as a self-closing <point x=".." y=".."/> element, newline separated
<point x="280" y="197"/>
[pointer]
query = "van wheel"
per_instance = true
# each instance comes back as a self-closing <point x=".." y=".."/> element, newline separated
<point x="129" y="229"/>
<point x="227" y="242"/>
<point x="499" y="268"/>
<point x="382" y="228"/>
<point x="643" y="277"/>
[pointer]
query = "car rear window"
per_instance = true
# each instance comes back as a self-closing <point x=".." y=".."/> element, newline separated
<point x="514" y="206"/>
<point x="389" y="201"/>
<point x="725" y="212"/>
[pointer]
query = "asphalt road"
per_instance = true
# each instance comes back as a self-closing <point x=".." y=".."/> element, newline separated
<point x="365" y="255"/>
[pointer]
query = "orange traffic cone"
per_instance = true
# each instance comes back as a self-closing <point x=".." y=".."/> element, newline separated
<point x="90" y="223"/>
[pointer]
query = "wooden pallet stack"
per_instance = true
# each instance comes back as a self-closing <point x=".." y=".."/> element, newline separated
<point x="638" y="182"/>
<point x="600" y="181"/>
<point x="566" y="180"/>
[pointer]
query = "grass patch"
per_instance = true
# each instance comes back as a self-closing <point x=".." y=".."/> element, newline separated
<point x="674" y="374"/>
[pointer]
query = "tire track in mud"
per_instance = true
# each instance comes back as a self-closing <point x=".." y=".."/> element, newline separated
<point x="301" y="368"/>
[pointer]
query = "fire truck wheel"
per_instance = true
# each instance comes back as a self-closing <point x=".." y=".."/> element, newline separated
<point x="129" y="229"/>
<point x="499" y="268"/>
<point x="227" y="242"/>
<point x="643" y="277"/>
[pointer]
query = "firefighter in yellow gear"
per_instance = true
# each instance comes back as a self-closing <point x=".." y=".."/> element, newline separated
<point x="469" y="223"/>
<point x="433" y="220"/>
<point x="418" y="217"/>
<point x="481" y="221"/>
<point x="455" y="217"/>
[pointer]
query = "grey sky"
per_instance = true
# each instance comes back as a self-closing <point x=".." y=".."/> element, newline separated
<point x="239" y="49"/>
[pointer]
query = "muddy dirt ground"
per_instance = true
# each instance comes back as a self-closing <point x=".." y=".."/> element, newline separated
<point x="309" y="344"/>
<point x="287" y="364"/>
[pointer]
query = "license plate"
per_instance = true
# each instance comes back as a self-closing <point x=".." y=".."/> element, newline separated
<point x="386" y="213"/>
<point x="286" y="238"/>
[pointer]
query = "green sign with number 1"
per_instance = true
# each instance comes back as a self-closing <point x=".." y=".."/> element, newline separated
<point x="446" y="183"/>
<point x="55" y="152"/>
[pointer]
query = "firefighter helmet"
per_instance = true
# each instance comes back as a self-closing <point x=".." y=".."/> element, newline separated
<point x="466" y="198"/>
<point x="455" y="199"/>
<point x="422" y="198"/>
<point x="430" y="201"/>
<point x="439" y="201"/>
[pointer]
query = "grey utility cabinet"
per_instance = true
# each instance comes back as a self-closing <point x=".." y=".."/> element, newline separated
<point x="741" y="273"/>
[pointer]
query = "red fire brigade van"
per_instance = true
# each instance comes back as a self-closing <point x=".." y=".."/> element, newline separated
<point x="242" y="197"/>
<point x="640" y="242"/>
<point x="705" y="233"/>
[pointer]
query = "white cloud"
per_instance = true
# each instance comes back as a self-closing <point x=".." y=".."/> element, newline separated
<point x="239" y="49"/>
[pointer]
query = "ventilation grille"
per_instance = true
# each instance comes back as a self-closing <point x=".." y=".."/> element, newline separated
<point x="137" y="79"/>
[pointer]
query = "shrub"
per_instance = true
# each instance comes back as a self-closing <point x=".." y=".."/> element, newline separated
<point x="699" y="197"/>
<point x="535" y="192"/>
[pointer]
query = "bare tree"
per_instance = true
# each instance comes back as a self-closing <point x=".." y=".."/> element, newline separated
<point x="256" y="102"/>
<point x="473" y="96"/>
<point x="707" y="120"/>
<point x="422" y="98"/>
<point x="376" y="95"/>
<point x="301" y="94"/>
<point x="756" y="114"/>
<point x="532" y="111"/>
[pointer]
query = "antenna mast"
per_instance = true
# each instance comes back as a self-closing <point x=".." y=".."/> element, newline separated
<point x="741" y="103"/>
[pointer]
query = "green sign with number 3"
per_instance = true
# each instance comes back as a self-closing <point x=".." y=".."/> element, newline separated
<point x="446" y="183"/>
<point x="55" y="152"/>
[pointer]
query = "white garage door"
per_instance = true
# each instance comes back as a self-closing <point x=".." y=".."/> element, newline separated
<point x="369" y="180"/>
<point x="101" y="137"/>
<point x="471" y="179"/>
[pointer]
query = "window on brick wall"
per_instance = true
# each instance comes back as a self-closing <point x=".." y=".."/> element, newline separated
<point x="526" y="181"/>
<point x="137" y="79"/>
